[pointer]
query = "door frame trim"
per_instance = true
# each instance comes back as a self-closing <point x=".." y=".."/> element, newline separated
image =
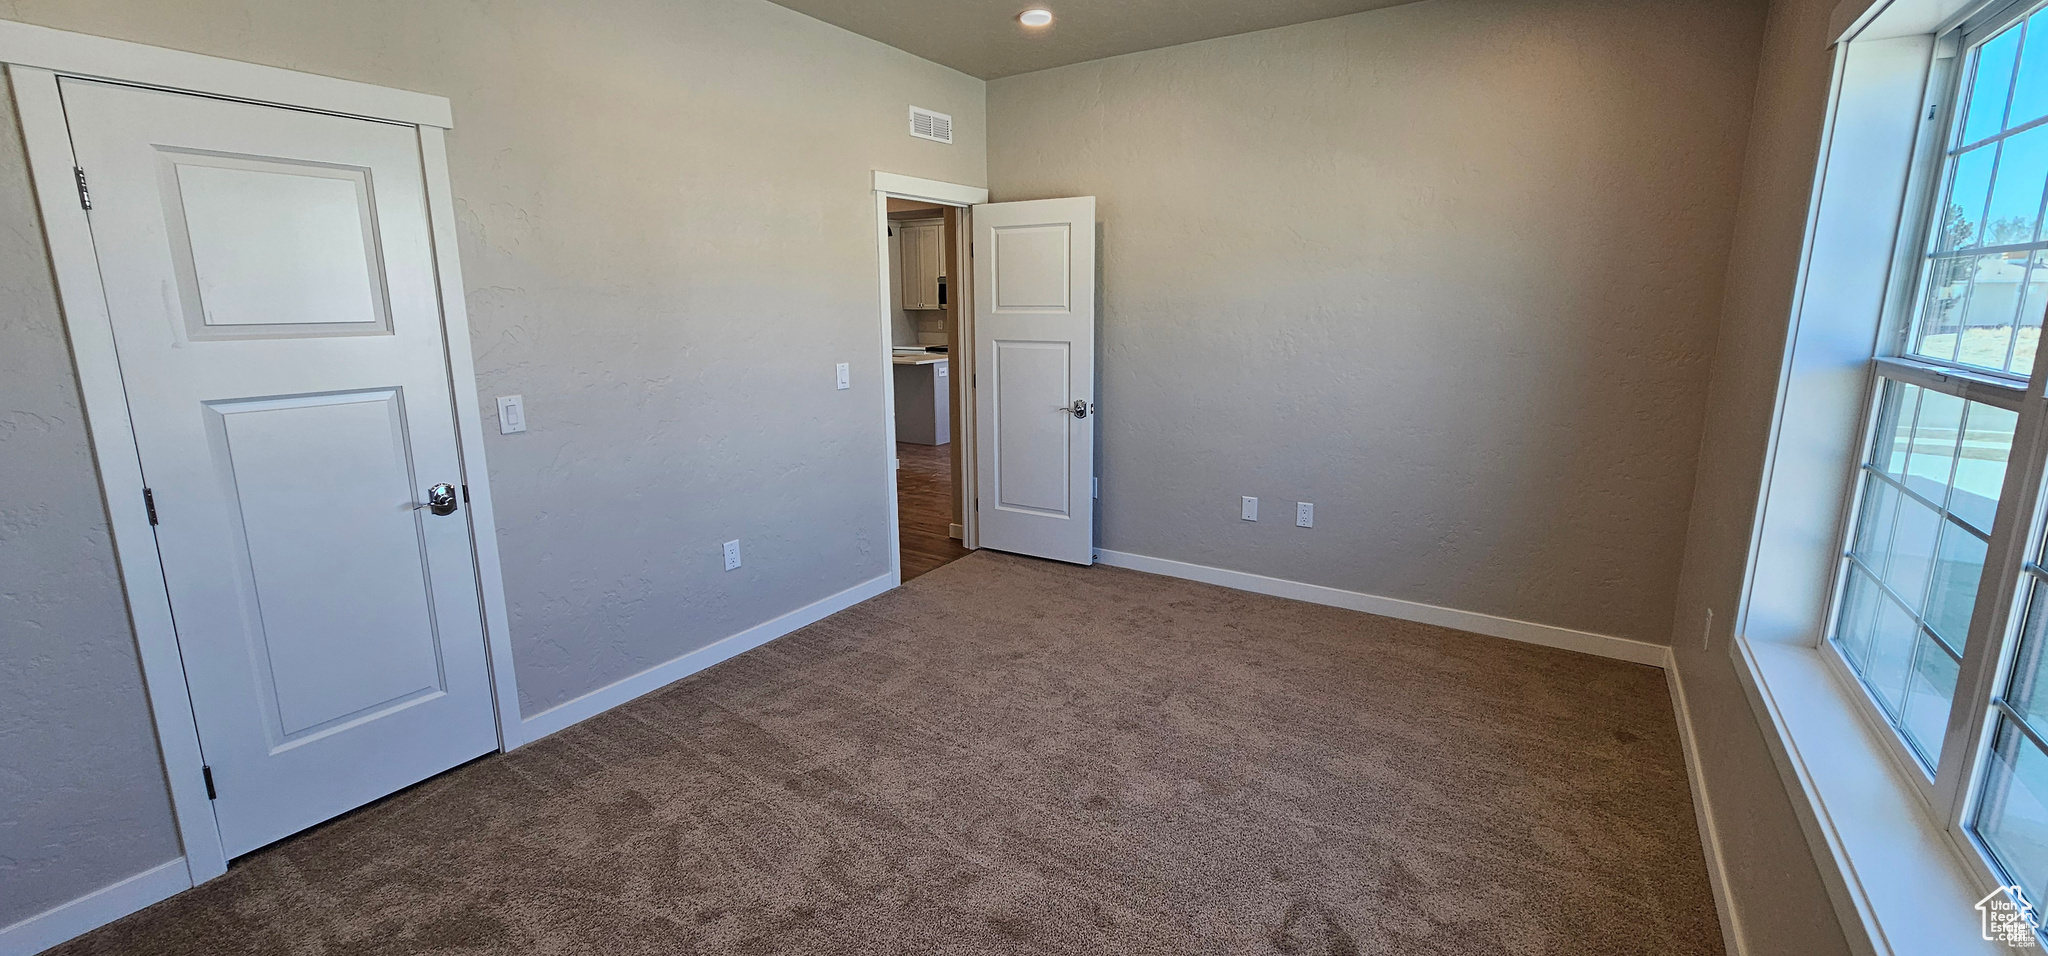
<point x="36" y="57"/>
<point x="889" y="186"/>
<point x="102" y="58"/>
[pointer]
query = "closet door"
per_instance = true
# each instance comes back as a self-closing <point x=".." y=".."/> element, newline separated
<point x="270" y="281"/>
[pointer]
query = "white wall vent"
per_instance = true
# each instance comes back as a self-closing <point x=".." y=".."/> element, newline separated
<point x="925" y="124"/>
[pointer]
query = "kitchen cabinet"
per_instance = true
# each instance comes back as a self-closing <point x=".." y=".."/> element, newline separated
<point x="923" y="399"/>
<point x="922" y="259"/>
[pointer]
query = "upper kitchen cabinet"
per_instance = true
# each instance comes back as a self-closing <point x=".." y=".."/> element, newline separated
<point x="923" y="261"/>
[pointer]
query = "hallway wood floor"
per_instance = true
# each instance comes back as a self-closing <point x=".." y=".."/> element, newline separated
<point x="924" y="503"/>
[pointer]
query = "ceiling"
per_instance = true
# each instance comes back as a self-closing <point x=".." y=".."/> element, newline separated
<point x="983" y="38"/>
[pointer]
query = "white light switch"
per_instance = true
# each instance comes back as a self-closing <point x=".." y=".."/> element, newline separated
<point x="1251" y="508"/>
<point x="732" y="554"/>
<point x="511" y="414"/>
<point x="845" y="376"/>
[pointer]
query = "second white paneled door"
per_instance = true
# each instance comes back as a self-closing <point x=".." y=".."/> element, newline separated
<point x="1034" y="358"/>
<point x="270" y="278"/>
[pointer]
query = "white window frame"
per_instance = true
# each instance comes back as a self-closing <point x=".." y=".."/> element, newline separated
<point x="1901" y="867"/>
<point x="1892" y="360"/>
<point x="1954" y="787"/>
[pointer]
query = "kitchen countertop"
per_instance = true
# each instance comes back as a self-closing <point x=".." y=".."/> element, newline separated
<point x="917" y="358"/>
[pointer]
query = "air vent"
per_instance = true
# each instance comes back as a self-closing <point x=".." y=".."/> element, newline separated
<point x="925" y="124"/>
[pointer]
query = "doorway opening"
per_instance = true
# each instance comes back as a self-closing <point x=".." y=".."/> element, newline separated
<point x="925" y="339"/>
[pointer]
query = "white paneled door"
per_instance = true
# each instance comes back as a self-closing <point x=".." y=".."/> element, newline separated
<point x="270" y="278"/>
<point x="1034" y="335"/>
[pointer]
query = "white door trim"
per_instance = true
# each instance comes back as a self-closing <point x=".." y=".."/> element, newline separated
<point x="101" y="58"/>
<point x="91" y="331"/>
<point x="893" y="186"/>
<point x="929" y="190"/>
<point x="469" y="438"/>
<point x="36" y="57"/>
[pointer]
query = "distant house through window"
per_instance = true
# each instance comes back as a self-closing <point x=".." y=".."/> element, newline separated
<point x="1986" y="272"/>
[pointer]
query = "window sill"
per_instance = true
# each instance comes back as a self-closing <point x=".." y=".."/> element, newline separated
<point x="1899" y="885"/>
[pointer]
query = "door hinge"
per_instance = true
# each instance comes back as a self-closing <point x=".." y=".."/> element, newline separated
<point x="84" y="194"/>
<point x="207" y="772"/>
<point x="149" y="504"/>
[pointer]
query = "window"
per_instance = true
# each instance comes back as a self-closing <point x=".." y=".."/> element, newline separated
<point x="1985" y="279"/>
<point x="1940" y="610"/>
<point x="2012" y="816"/>
<point x="1930" y="492"/>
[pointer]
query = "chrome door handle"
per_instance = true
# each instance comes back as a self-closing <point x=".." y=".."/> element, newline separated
<point x="440" y="499"/>
<point x="1079" y="409"/>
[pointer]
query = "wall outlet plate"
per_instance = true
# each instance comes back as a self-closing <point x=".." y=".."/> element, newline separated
<point x="1251" y="509"/>
<point x="732" y="554"/>
<point x="1304" y="514"/>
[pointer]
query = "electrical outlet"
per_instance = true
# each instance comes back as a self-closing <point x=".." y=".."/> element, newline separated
<point x="845" y="375"/>
<point x="1251" y="508"/>
<point x="1707" y="632"/>
<point x="1304" y="514"/>
<point x="732" y="554"/>
<point x="511" y="414"/>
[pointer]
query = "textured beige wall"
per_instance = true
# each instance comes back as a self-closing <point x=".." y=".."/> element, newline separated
<point x="667" y="235"/>
<point x="82" y="799"/>
<point x="1450" y="270"/>
<point x="1777" y="889"/>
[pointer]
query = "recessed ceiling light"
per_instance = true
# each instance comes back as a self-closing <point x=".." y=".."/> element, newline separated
<point x="1035" y="17"/>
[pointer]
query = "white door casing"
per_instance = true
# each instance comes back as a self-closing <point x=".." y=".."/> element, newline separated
<point x="1034" y="345"/>
<point x="270" y="278"/>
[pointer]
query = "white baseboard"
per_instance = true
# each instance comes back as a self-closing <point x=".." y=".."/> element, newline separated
<point x="596" y="702"/>
<point x="1732" y="939"/>
<point x="94" y="909"/>
<point x="1528" y="632"/>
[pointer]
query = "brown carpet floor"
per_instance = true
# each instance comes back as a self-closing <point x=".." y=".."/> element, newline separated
<point x="1014" y="756"/>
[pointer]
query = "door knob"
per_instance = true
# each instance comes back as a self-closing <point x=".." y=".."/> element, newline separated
<point x="1079" y="409"/>
<point x="440" y="499"/>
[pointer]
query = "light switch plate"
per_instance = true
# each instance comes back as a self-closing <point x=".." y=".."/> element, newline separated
<point x="845" y="375"/>
<point x="511" y="414"/>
